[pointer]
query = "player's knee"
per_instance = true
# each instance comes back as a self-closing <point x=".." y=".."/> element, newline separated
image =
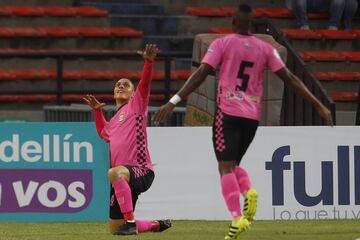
<point x="226" y="167"/>
<point x="116" y="174"/>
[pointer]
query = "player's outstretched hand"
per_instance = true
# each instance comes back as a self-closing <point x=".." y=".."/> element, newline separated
<point x="93" y="102"/>
<point x="150" y="52"/>
<point x="326" y="115"/>
<point x="162" y="113"/>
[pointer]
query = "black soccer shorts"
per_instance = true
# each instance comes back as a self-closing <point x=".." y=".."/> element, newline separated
<point x="232" y="136"/>
<point x="140" y="181"/>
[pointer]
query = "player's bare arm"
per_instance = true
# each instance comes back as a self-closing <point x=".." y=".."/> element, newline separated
<point x="290" y="79"/>
<point x="190" y="85"/>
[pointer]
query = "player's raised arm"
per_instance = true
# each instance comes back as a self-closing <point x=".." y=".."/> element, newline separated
<point x="99" y="118"/>
<point x="190" y="85"/>
<point x="294" y="82"/>
<point x="149" y="54"/>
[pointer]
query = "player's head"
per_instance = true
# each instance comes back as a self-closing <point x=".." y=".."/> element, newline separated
<point x="242" y="18"/>
<point x="123" y="90"/>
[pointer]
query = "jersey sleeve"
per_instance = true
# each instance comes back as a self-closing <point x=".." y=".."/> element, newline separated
<point x="100" y="124"/>
<point x="140" y="100"/>
<point x="213" y="56"/>
<point x="274" y="61"/>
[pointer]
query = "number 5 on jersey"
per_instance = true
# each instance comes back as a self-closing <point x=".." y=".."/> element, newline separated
<point x="243" y="76"/>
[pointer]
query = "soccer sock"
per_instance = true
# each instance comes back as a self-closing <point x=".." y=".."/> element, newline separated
<point x="243" y="180"/>
<point x="231" y="193"/>
<point x="147" y="226"/>
<point x="124" y="198"/>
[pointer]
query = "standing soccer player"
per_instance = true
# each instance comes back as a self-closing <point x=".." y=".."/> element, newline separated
<point x="242" y="59"/>
<point x="131" y="171"/>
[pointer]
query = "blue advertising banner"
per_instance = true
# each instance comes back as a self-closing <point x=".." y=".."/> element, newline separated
<point x="53" y="172"/>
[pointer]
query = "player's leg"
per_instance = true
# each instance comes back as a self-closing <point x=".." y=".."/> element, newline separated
<point x="120" y="177"/>
<point x="247" y="129"/>
<point x="225" y="139"/>
<point x="141" y="180"/>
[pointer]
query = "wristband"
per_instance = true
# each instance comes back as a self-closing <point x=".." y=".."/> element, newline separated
<point x="175" y="99"/>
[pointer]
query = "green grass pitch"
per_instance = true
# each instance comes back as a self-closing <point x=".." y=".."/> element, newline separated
<point x="188" y="230"/>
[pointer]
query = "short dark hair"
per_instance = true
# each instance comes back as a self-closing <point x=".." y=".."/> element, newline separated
<point x="244" y="8"/>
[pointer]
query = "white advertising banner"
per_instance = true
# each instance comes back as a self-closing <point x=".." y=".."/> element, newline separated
<point x="299" y="172"/>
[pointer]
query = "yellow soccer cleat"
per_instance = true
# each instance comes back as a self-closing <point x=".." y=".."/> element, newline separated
<point x="237" y="226"/>
<point x="250" y="204"/>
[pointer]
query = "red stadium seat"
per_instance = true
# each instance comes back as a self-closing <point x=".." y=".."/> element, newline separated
<point x="322" y="56"/>
<point x="210" y="11"/>
<point x="343" y="96"/>
<point x="65" y="97"/>
<point x="322" y="15"/>
<point x="7" y="75"/>
<point x="338" y="76"/>
<point x="94" y="32"/>
<point x="125" y="32"/>
<point x="219" y="30"/>
<point x="61" y="32"/>
<point x="5" y="11"/>
<point x="275" y="12"/>
<point x="6" y="33"/>
<point x="28" y="98"/>
<point x="55" y="11"/>
<point x="336" y="34"/>
<point x="88" y="11"/>
<point x="352" y="56"/>
<point x="29" y="32"/>
<point x="26" y="11"/>
<point x="301" y="34"/>
<point x="71" y="75"/>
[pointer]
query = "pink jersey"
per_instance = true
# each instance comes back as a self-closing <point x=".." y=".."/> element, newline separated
<point x="126" y="131"/>
<point x="242" y="61"/>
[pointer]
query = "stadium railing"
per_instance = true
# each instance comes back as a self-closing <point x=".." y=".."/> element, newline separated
<point x="296" y="111"/>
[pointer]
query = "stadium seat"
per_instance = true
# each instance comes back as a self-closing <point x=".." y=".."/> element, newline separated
<point x="336" y="34"/>
<point x="61" y="32"/>
<point x="70" y="32"/>
<point x="94" y="32"/>
<point x="322" y="56"/>
<point x="220" y="30"/>
<point x="52" y="11"/>
<point x="352" y="56"/>
<point x="338" y="76"/>
<point x="274" y="13"/>
<point x="343" y="96"/>
<point x="257" y="13"/>
<point x="6" y="33"/>
<point x="210" y="11"/>
<point x="26" y="11"/>
<point x="89" y="11"/>
<point x="51" y="74"/>
<point x="29" y="32"/>
<point x="55" y="11"/>
<point x="66" y="97"/>
<point x="125" y="32"/>
<point x="301" y="34"/>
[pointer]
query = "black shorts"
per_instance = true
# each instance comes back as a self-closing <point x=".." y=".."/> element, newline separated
<point x="232" y="136"/>
<point x="140" y="181"/>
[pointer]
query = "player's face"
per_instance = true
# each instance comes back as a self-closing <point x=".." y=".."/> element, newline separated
<point x="124" y="90"/>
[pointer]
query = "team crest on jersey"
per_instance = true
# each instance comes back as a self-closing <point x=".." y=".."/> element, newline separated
<point x="122" y="117"/>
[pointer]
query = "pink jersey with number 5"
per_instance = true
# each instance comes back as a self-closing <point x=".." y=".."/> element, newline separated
<point x="242" y="60"/>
